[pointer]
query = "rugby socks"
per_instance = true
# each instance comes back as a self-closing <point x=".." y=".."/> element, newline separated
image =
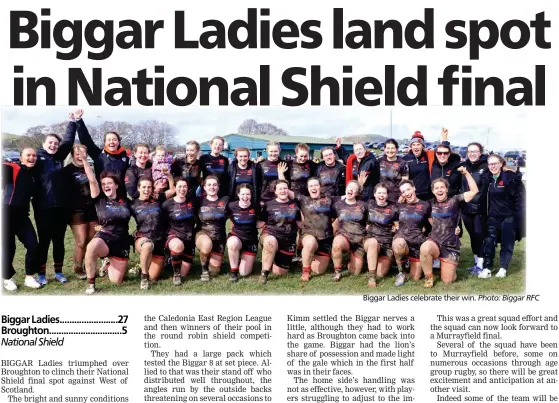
<point x="337" y="269"/>
<point x="306" y="269"/>
<point x="400" y="266"/>
<point x="145" y="276"/>
<point x="234" y="269"/>
<point x="205" y="260"/>
<point x="176" y="262"/>
<point x="91" y="280"/>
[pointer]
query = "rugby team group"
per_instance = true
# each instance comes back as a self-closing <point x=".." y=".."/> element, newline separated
<point x="385" y="211"/>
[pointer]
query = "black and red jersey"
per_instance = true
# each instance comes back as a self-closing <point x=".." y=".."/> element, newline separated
<point x="445" y="220"/>
<point x="242" y="176"/>
<point x="189" y="171"/>
<point x="212" y="217"/>
<point x="133" y="176"/>
<point x="281" y="219"/>
<point x="381" y="221"/>
<point x="352" y="219"/>
<point x="317" y="216"/>
<point x="269" y="172"/>
<point x="244" y="221"/>
<point x="413" y="218"/>
<point x="78" y="187"/>
<point x="149" y="217"/>
<point x="219" y="167"/>
<point x="114" y="216"/>
<point x="391" y="173"/>
<point x="181" y="218"/>
<point x="299" y="174"/>
<point x="332" y="179"/>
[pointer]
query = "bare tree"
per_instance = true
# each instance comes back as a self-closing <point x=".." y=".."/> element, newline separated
<point x="155" y="132"/>
<point x="123" y="129"/>
<point x="251" y="126"/>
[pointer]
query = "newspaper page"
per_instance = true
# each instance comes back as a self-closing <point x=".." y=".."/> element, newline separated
<point x="125" y="77"/>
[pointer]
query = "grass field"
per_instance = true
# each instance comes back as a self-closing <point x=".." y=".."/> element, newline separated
<point x="291" y="284"/>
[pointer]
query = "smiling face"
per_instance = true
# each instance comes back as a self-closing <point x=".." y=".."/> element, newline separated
<point x="245" y="196"/>
<point x="302" y="156"/>
<point x="51" y="144"/>
<point x="443" y="153"/>
<point x="191" y="152"/>
<point x="381" y="195"/>
<point x="474" y="153"/>
<point x="242" y="158"/>
<point x="76" y="157"/>
<point x="440" y="190"/>
<point x="109" y="187"/>
<point x="359" y="150"/>
<point x="494" y="165"/>
<point x="273" y="153"/>
<point x="329" y="157"/>
<point x="417" y="148"/>
<point x="408" y="191"/>
<point x="217" y="147"/>
<point x="28" y="157"/>
<point x="351" y="191"/>
<point x="145" y="188"/>
<point x="282" y="191"/>
<point x="112" y="142"/>
<point x="211" y="187"/>
<point x="159" y="156"/>
<point x="390" y="150"/>
<point x="142" y="155"/>
<point x="313" y="186"/>
<point x="181" y="188"/>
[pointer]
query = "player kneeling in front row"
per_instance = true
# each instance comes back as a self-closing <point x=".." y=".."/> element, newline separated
<point x="352" y="216"/>
<point x="112" y="239"/>
<point x="443" y="242"/>
<point x="414" y="216"/>
<point x="210" y="239"/>
<point x="279" y="221"/>
<point x="383" y="221"/>
<point x="149" y="240"/>
<point x="242" y="242"/>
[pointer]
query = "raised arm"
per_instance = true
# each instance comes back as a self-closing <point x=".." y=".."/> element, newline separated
<point x="85" y="137"/>
<point x="472" y="185"/>
<point x="68" y="140"/>
<point x="341" y="151"/>
<point x="282" y="169"/>
<point x="171" y="191"/>
<point x="93" y="184"/>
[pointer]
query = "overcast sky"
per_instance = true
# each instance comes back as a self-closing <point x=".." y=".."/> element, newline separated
<point x="502" y="128"/>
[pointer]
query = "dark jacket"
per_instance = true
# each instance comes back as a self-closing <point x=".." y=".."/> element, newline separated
<point x="419" y="171"/>
<point x="18" y="187"/>
<point x="368" y="164"/>
<point x="332" y="179"/>
<point x="256" y="181"/>
<point x="48" y="170"/>
<point x="116" y="163"/>
<point x="481" y="175"/>
<point x="448" y="172"/>
<point x="506" y="197"/>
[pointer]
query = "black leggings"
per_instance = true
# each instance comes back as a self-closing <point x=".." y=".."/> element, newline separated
<point x="475" y="225"/>
<point x="499" y="230"/>
<point x="51" y="226"/>
<point x="23" y="229"/>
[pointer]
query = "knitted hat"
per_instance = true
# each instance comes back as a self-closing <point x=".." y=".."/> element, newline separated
<point x="417" y="138"/>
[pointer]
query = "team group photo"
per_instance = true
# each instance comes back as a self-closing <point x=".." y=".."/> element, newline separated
<point x="259" y="212"/>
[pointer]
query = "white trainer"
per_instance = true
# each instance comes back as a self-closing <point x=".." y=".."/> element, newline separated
<point x="10" y="285"/>
<point x="31" y="282"/>
<point x="501" y="273"/>
<point x="485" y="273"/>
<point x="90" y="289"/>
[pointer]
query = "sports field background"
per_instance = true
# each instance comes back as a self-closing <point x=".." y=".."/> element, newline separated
<point x="290" y="284"/>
